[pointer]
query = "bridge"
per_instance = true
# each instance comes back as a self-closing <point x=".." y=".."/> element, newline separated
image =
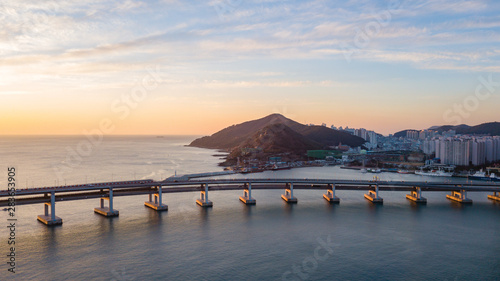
<point x="106" y="191"/>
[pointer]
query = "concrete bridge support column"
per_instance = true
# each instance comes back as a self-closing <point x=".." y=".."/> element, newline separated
<point x="288" y="196"/>
<point x="155" y="201"/>
<point x="330" y="195"/>
<point x="203" y="201"/>
<point x="105" y="211"/>
<point x="416" y="196"/>
<point x="495" y="196"/>
<point x="50" y="218"/>
<point x="373" y="197"/>
<point x="247" y="195"/>
<point x="459" y="196"/>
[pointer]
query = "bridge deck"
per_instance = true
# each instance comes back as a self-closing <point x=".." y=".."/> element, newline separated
<point x="129" y="188"/>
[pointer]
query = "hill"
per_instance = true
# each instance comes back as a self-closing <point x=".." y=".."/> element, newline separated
<point x="274" y="139"/>
<point x="460" y="129"/>
<point x="491" y="128"/>
<point x="330" y="137"/>
<point x="236" y="135"/>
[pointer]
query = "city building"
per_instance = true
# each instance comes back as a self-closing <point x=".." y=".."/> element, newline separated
<point x="463" y="150"/>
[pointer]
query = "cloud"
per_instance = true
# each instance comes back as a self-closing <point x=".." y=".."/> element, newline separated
<point x="434" y="60"/>
<point x="453" y="6"/>
<point x="129" y="5"/>
<point x="219" y="84"/>
<point x="91" y="37"/>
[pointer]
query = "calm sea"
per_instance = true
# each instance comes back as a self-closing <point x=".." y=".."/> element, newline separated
<point x="270" y="241"/>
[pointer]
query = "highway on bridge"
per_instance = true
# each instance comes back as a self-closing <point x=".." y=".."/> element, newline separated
<point x="138" y="187"/>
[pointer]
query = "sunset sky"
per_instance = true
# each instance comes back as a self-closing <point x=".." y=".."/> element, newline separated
<point x="195" y="67"/>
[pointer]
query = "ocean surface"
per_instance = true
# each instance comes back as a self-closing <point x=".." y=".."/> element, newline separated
<point x="312" y="240"/>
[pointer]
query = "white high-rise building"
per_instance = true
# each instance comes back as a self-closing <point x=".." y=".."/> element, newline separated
<point x="446" y="151"/>
<point x="478" y="156"/>
<point x="453" y="151"/>
<point x="490" y="150"/>
<point x="461" y="153"/>
<point x="437" y="147"/>
<point x="411" y="134"/>
<point x="497" y="142"/>
<point x="429" y="147"/>
<point x="422" y="135"/>
<point x="373" y="138"/>
<point x="464" y="150"/>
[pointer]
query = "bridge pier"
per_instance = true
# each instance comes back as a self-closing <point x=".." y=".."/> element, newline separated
<point x="203" y="201"/>
<point x="247" y="195"/>
<point x="107" y="211"/>
<point x="288" y="196"/>
<point x="50" y="218"/>
<point x="155" y="201"/>
<point x="416" y="196"/>
<point x="459" y="196"/>
<point x="373" y="197"/>
<point x="495" y="196"/>
<point x="330" y="195"/>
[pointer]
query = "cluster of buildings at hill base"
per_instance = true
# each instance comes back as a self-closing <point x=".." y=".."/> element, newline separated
<point x="371" y="137"/>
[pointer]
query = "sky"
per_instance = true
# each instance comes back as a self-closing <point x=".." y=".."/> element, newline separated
<point x="194" y="67"/>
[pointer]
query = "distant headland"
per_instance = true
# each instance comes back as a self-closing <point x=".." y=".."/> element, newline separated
<point x="274" y="136"/>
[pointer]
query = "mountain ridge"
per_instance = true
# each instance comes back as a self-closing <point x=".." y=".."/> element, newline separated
<point x="489" y="128"/>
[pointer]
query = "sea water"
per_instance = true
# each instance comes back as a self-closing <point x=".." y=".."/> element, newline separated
<point x="312" y="240"/>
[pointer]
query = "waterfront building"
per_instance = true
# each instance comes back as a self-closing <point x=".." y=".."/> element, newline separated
<point x="478" y="152"/>
<point x="446" y="151"/>
<point x="497" y="144"/>
<point x="490" y="150"/>
<point x="463" y="150"/>
<point x="461" y="153"/>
